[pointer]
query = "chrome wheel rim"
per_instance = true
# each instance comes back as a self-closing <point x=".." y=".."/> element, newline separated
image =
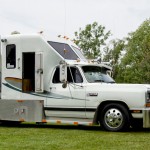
<point x="113" y="118"/>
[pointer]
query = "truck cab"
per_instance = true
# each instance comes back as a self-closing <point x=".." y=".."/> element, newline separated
<point x="72" y="98"/>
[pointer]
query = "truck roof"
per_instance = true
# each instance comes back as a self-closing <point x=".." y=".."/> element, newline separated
<point x="81" y="63"/>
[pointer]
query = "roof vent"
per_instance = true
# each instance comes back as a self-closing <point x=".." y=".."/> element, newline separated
<point x="15" y="32"/>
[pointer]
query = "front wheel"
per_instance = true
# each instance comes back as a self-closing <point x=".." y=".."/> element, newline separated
<point x="114" y="117"/>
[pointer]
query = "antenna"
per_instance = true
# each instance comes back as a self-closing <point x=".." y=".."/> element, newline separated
<point x="65" y="17"/>
<point x="65" y="26"/>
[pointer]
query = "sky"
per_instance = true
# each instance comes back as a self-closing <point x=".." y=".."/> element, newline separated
<point x="64" y="17"/>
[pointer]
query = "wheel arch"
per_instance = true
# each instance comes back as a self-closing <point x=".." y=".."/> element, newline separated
<point x="104" y="103"/>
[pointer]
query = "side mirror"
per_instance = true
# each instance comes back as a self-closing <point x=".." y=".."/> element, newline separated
<point x="64" y="85"/>
<point x="63" y="73"/>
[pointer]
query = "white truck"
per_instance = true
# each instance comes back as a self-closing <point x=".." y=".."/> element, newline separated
<point x="48" y="81"/>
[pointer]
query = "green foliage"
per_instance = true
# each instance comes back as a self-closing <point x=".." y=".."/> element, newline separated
<point x="135" y="65"/>
<point x="130" y="57"/>
<point x="113" y="54"/>
<point x="65" y="137"/>
<point x="91" y="39"/>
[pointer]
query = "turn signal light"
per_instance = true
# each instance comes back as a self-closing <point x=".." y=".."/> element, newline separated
<point x="147" y="105"/>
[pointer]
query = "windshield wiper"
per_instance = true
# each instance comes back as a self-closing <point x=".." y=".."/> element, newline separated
<point x="111" y="82"/>
<point x="98" y="81"/>
<point x="104" y="81"/>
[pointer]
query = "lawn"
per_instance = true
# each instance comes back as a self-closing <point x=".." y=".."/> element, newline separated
<point x="65" y="137"/>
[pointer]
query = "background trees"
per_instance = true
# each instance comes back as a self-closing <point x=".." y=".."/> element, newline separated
<point x="135" y="65"/>
<point x="129" y="57"/>
<point x="91" y="39"/>
<point x="113" y="53"/>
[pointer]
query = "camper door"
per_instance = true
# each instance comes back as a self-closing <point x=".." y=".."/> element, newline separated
<point x="39" y="72"/>
<point x="11" y="72"/>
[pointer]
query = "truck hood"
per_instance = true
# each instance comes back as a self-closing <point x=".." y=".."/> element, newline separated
<point x="120" y="87"/>
<point x="131" y="94"/>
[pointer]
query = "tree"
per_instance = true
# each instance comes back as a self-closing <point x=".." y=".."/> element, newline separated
<point x="135" y="66"/>
<point x="91" y="39"/>
<point x="113" y="54"/>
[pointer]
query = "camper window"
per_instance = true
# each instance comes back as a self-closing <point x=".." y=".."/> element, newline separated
<point x="79" y="52"/>
<point x="11" y="56"/>
<point x="64" y="50"/>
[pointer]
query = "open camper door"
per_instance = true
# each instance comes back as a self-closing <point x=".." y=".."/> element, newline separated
<point x="39" y="72"/>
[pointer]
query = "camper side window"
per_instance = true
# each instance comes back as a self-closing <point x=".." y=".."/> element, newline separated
<point x="11" y="56"/>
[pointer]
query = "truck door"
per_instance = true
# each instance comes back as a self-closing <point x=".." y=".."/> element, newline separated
<point x="69" y="101"/>
<point x="39" y="72"/>
<point x="11" y="70"/>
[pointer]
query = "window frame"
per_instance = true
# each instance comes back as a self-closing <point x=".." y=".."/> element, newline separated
<point x="7" y="56"/>
<point x="68" y="69"/>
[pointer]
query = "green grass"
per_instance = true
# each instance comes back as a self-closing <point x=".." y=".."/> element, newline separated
<point x="64" y="137"/>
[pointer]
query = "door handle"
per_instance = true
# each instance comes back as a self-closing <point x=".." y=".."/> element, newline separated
<point x="40" y="71"/>
<point x="52" y="88"/>
<point x="18" y="63"/>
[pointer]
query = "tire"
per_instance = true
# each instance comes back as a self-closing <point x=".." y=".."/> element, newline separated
<point x="114" y="117"/>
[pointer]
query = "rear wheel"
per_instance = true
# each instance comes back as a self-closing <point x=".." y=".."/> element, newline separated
<point x="114" y="117"/>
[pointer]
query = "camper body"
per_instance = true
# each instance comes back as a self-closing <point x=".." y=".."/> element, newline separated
<point x="47" y="81"/>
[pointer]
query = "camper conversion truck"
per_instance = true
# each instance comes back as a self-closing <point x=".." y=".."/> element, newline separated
<point x="50" y="81"/>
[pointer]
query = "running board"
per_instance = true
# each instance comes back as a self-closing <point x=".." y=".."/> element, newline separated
<point x="68" y="121"/>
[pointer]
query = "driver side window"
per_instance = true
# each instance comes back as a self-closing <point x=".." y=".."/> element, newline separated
<point x="73" y="75"/>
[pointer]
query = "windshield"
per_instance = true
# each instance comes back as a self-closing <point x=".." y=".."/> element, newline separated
<point x="97" y="74"/>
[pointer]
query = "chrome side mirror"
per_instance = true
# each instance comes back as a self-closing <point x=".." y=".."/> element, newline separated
<point x="64" y="85"/>
<point x="63" y="73"/>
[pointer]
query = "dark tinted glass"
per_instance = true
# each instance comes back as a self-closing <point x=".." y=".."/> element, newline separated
<point x="10" y="56"/>
<point x="64" y="50"/>
<point x="73" y="75"/>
